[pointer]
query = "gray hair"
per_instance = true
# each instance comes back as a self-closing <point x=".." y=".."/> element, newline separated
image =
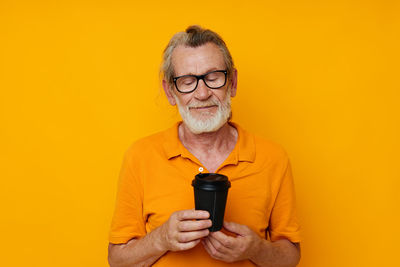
<point x="194" y="36"/>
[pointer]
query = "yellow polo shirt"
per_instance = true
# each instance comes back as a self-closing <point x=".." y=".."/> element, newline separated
<point x="155" y="181"/>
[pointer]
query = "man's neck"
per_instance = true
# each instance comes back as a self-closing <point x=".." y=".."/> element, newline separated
<point x="221" y="141"/>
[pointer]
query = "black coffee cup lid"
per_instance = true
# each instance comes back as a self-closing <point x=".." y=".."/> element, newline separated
<point x="211" y="182"/>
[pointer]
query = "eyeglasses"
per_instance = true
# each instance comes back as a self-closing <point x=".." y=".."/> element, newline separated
<point x="188" y="83"/>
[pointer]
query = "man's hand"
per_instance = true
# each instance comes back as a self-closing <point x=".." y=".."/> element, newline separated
<point x="184" y="229"/>
<point x="230" y="249"/>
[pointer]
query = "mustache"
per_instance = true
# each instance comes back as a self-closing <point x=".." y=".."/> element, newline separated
<point x="202" y="104"/>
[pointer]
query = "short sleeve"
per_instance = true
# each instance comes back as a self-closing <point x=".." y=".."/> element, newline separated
<point x="127" y="222"/>
<point x="284" y="223"/>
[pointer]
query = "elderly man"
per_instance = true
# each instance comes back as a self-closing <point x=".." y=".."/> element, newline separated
<point x="154" y="220"/>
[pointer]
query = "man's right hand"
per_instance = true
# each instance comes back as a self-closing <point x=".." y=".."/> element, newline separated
<point x="184" y="229"/>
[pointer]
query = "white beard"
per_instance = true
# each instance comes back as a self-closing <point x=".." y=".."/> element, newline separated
<point x="208" y="124"/>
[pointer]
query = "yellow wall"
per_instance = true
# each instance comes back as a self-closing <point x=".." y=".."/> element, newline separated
<point x="79" y="83"/>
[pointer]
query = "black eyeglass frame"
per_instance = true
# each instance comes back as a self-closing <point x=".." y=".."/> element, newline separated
<point x="200" y="77"/>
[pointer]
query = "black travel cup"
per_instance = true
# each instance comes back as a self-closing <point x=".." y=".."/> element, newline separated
<point x="210" y="193"/>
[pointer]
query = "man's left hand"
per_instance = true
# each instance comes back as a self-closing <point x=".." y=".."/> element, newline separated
<point x="230" y="249"/>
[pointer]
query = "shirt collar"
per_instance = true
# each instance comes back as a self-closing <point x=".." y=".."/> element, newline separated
<point x="244" y="150"/>
<point x="172" y="145"/>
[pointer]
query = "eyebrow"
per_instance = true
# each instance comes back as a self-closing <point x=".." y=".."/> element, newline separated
<point x="209" y="70"/>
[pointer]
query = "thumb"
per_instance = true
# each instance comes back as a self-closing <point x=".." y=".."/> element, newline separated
<point x="236" y="228"/>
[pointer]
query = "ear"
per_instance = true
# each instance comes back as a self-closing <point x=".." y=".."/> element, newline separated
<point x="233" y="83"/>
<point x="168" y="92"/>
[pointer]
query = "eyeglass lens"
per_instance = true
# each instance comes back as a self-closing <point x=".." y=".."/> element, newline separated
<point x="213" y="80"/>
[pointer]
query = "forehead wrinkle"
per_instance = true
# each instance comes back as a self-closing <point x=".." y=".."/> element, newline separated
<point x="197" y="61"/>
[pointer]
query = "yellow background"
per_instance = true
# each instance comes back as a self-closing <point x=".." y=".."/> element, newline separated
<point x="79" y="83"/>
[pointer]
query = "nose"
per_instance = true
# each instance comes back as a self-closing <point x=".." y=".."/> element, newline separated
<point x="202" y="92"/>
